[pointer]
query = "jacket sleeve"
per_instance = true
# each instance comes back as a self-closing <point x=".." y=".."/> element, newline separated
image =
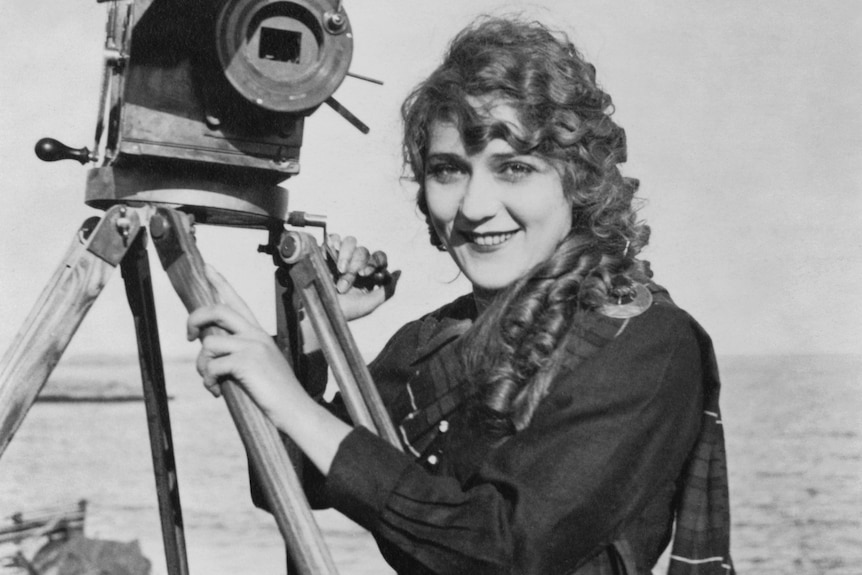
<point x="601" y="444"/>
<point x="386" y="369"/>
<point x="314" y="368"/>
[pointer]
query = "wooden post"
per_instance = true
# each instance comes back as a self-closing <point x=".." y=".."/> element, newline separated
<point x="97" y="249"/>
<point x="135" y="269"/>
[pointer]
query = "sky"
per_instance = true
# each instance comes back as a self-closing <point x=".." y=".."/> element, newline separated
<point x="743" y="126"/>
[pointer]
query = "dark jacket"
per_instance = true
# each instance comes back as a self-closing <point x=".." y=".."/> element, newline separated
<point x="589" y="485"/>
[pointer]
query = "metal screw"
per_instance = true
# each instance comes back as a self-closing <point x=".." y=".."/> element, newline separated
<point x="212" y="121"/>
<point x="289" y="247"/>
<point x="124" y="225"/>
<point x="158" y="226"/>
<point x="335" y="22"/>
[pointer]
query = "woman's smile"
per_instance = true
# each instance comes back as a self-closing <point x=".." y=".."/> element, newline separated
<point x="485" y="240"/>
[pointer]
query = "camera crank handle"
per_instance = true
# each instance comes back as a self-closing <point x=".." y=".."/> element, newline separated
<point x="291" y="248"/>
<point x="50" y="150"/>
<point x="379" y="278"/>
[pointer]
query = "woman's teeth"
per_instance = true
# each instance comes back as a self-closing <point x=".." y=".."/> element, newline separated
<point x="490" y="239"/>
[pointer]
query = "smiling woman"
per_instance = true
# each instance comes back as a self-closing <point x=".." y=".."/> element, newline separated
<point x="562" y="417"/>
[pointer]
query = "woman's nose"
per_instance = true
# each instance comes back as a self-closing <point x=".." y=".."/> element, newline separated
<point x="481" y="200"/>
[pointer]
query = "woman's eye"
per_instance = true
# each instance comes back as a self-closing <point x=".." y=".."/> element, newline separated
<point x="444" y="173"/>
<point x="515" y="171"/>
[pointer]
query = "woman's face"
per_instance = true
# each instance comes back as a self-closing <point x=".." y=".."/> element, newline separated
<point x="498" y="212"/>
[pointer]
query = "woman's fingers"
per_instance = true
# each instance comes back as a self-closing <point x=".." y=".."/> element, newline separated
<point x="219" y="315"/>
<point x="355" y="265"/>
<point x="353" y="261"/>
<point x="334" y="242"/>
<point x="215" y="371"/>
<point x="358" y="260"/>
<point x="345" y="251"/>
<point x="372" y="264"/>
<point x="211" y="383"/>
<point x="218" y="344"/>
<point x="223" y="355"/>
<point x="377" y="263"/>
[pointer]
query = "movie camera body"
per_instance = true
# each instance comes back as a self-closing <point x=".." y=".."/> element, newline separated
<point x="202" y="109"/>
<point x="203" y="102"/>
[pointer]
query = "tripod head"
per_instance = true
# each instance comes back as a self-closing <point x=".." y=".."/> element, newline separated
<point x="203" y="103"/>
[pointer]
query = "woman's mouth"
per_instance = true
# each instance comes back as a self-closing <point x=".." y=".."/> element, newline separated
<point x="488" y="240"/>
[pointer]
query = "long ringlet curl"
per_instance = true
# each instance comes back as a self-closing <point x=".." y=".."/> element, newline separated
<point x="565" y="117"/>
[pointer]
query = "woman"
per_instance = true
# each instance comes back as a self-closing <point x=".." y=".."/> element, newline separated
<point x="553" y="419"/>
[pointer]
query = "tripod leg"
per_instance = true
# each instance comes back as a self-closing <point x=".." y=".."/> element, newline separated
<point x="288" y="341"/>
<point x="139" y="291"/>
<point x="184" y="267"/>
<point x="99" y="246"/>
<point x="312" y="279"/>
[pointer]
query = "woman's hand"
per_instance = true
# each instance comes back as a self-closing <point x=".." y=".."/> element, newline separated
<point x="239" y="349"/>
<point x="235" y="347"/>
<point x="353" y="262"/>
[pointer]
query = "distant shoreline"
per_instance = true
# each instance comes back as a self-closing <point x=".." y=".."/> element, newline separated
<point x="90" y="399"/>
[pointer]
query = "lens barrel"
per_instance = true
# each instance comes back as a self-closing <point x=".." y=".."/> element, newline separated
<point x="283" y="55"/>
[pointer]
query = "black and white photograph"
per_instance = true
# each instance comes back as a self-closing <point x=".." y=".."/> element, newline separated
<point x="398" y="287"/>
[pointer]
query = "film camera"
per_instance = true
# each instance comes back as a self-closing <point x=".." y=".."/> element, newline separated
<point x="203" y="103"/>
<point x="202" y="109"/>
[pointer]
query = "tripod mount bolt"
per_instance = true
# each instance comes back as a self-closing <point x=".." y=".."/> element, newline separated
<point x="159" y="226"/>
<point x="291" y="247"/>
<point x="124" y="224"/>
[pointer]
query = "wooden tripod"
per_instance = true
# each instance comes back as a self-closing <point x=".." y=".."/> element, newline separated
<point x="118" y="238"/>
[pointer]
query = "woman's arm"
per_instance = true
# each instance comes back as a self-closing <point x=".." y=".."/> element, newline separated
<point x="247" y="354"/>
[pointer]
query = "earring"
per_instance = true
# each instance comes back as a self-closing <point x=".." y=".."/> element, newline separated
<point x="433" y="237"/>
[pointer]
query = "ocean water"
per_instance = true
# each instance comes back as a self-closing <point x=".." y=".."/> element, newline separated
<point x="792" y="423"/>
<point x="794" y="437"/>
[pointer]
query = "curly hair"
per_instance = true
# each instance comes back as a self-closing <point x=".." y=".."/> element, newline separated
<point x="564" y="118"/>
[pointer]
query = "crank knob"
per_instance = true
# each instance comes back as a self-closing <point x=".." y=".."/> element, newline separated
<point x="50" y="150"/>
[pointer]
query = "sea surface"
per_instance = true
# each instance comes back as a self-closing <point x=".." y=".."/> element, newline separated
<point x="792" y="423"/>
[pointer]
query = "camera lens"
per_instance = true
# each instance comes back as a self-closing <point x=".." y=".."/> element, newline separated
<point x="281" y="45"/>
<point x="279" y="55"/>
